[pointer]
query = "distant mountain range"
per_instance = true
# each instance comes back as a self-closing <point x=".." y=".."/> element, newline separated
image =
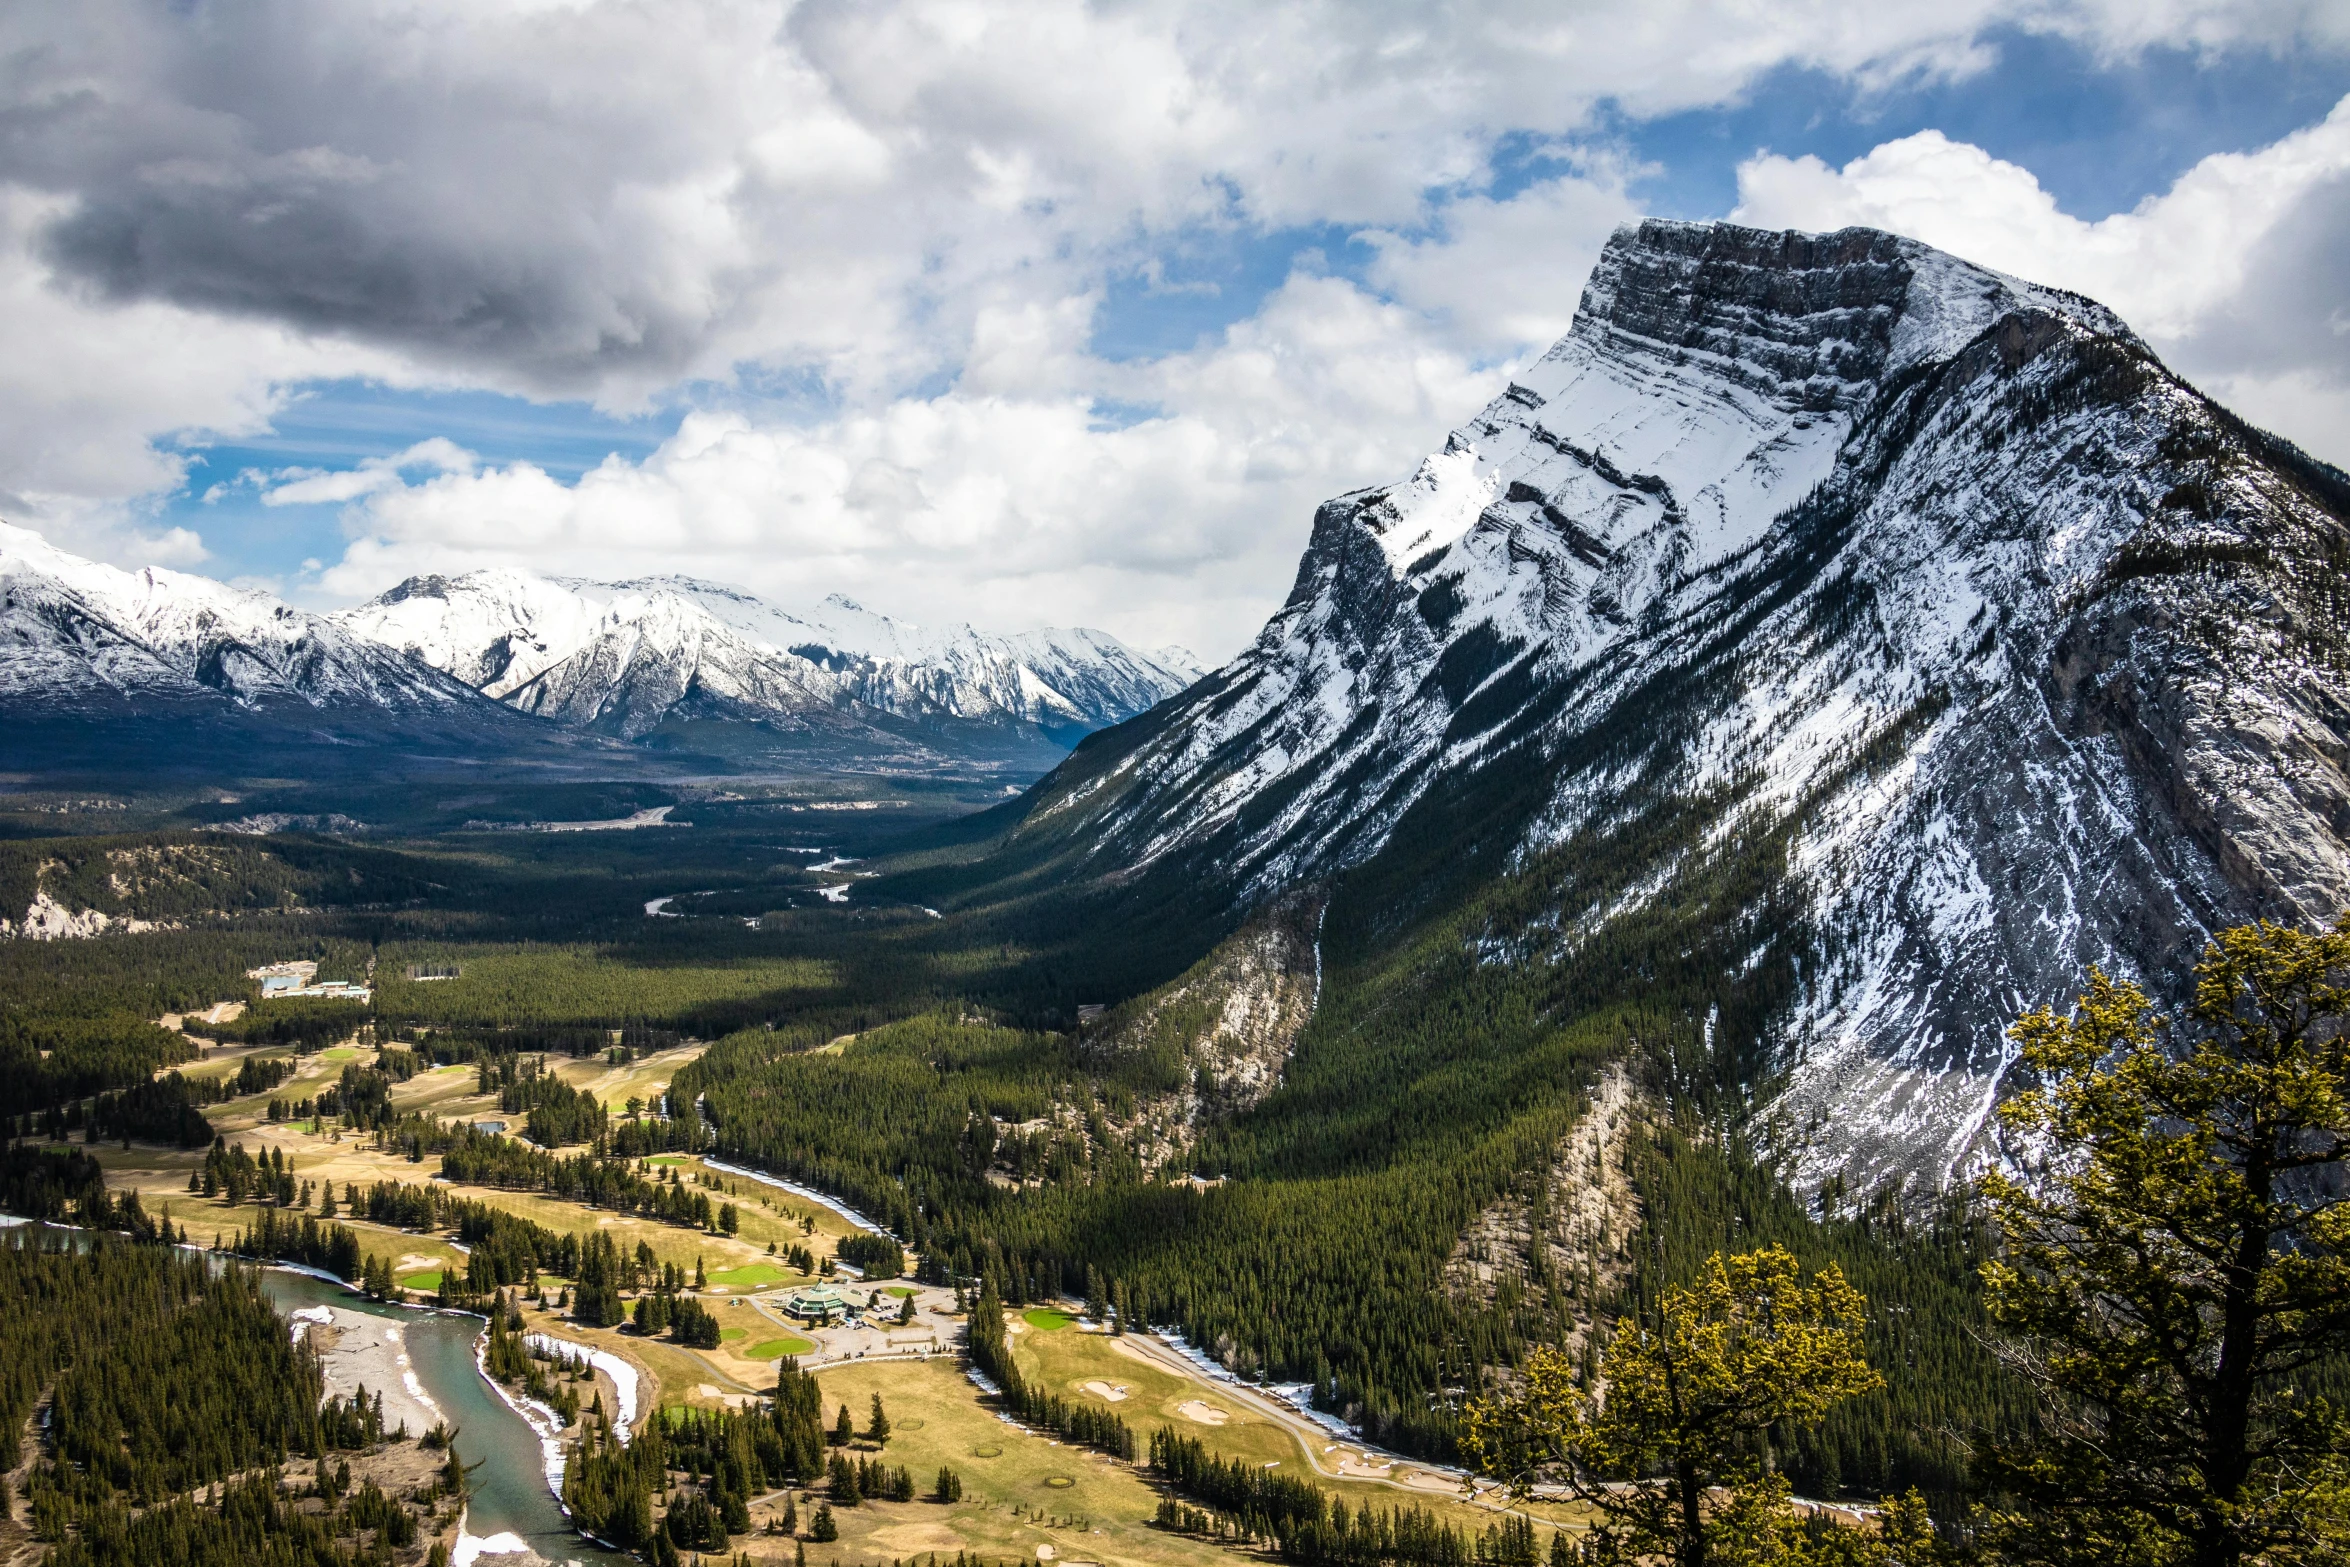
<point x="625" y="657"/>
<point x="79" y="636"/>
<point x="498" y="659"/>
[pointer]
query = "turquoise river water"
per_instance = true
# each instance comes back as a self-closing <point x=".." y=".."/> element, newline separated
<point x="510" y="1495"/>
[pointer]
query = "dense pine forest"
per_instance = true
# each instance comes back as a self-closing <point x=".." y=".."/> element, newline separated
<point x="179" y="1412"/>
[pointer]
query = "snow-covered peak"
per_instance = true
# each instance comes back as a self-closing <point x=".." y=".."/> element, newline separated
<point x="493" y="629"/>
<point x="1909" y="621"/>
<point x="78" y="630"/>
<point x="624" y="656"/>
<point x="1710" y="377"/>
<point x="157" y="600"/>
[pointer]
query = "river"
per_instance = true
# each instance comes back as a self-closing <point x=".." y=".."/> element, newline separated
<point x="511" y="1505"/>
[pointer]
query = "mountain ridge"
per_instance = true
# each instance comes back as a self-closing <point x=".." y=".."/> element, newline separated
<point x="100" y="655"/>
<point x="621" y="657"/>
<point x="1905" y="633"/>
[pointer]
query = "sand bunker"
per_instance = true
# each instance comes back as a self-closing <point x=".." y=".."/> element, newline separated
<point x="1202" y="1414"/>
<point x="1116" y="1395"/>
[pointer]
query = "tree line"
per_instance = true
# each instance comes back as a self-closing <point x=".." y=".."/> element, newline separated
<point x="1037" y="1406"/>
<point x="176" y="1401"/>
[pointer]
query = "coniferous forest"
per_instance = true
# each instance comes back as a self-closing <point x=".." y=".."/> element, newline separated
<point x="177" y="1409"/>
<point x="933" y="1073"/>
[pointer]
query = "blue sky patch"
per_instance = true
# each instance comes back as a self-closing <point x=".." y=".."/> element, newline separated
<point x="2100" y="137"/>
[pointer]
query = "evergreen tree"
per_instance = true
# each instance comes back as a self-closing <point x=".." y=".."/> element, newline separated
<point x="844" y="1429"/>
<point x="823" y="1529"/>
<point x="2181" y="1270"/>
<point x="1748" y="1347"/>
<point x="878" y="1432"/>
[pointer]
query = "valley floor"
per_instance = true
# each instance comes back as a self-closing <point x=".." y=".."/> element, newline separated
<point x="1026" y="1495"/>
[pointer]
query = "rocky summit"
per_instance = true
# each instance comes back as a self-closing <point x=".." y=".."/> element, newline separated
<point x="1907" y="631"/>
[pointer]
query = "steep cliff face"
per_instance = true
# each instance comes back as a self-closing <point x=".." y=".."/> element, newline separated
<point x="1912" y="619"/>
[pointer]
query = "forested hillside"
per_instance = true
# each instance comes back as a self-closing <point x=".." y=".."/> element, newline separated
<point x="176" y="1402"/>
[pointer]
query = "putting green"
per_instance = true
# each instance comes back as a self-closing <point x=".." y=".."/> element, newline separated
<point x="1046" y="1320"/>
<point x="775" y="1348"/>
<point x="729" y="1335"/>
<point x="749" y="1274"/>
<point x="427" y="1282"/>
<point x="339" y="1053"/>
<point x="666" y="1158"/>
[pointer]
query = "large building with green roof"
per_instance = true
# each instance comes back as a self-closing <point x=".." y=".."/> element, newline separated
<point x="817" y="1303"/>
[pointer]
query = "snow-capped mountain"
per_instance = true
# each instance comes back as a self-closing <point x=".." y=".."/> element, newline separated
<point x="1904" y="632"/>
<point x="76" y="635"/>
<point x="624" y="657"/>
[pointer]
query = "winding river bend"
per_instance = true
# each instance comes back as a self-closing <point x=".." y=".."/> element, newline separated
<point x="511" y="1508"/>
<point x="511" y="1504"/>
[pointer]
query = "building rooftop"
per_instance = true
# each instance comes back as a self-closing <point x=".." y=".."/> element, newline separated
<point x="817" y="1300"/>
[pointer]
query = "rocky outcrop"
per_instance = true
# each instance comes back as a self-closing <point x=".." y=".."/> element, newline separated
<point x="1217" y="1038"/>
<point x="1560" y="1240"/>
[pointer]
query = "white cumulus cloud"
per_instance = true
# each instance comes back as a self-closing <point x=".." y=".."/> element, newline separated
<point x="918" y="208"/>
<point x="2239" y="273"/>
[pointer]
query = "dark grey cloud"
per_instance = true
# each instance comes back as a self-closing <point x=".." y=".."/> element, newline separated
<point x="565" y="197"/>
<point x="520" y="211"/>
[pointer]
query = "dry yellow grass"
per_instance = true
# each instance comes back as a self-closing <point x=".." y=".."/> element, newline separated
<point x="1008" y="1512"/>
<point x="1157" y="1395"/>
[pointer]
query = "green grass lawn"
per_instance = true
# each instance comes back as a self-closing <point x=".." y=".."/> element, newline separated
<point x="900" y="1291"/>
<point x="426" y="1282"/>
<point x="666" y="1158"/>
<point x="775" y="1347"/>
<point x="1046" y="1320"/>
<point x="339" y="1053"/>
<point x="729" y="1335"/>
<point x="749" y="1275"/>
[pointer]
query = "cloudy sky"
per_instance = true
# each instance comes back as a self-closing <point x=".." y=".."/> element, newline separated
<point x="1020" y="313"/>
